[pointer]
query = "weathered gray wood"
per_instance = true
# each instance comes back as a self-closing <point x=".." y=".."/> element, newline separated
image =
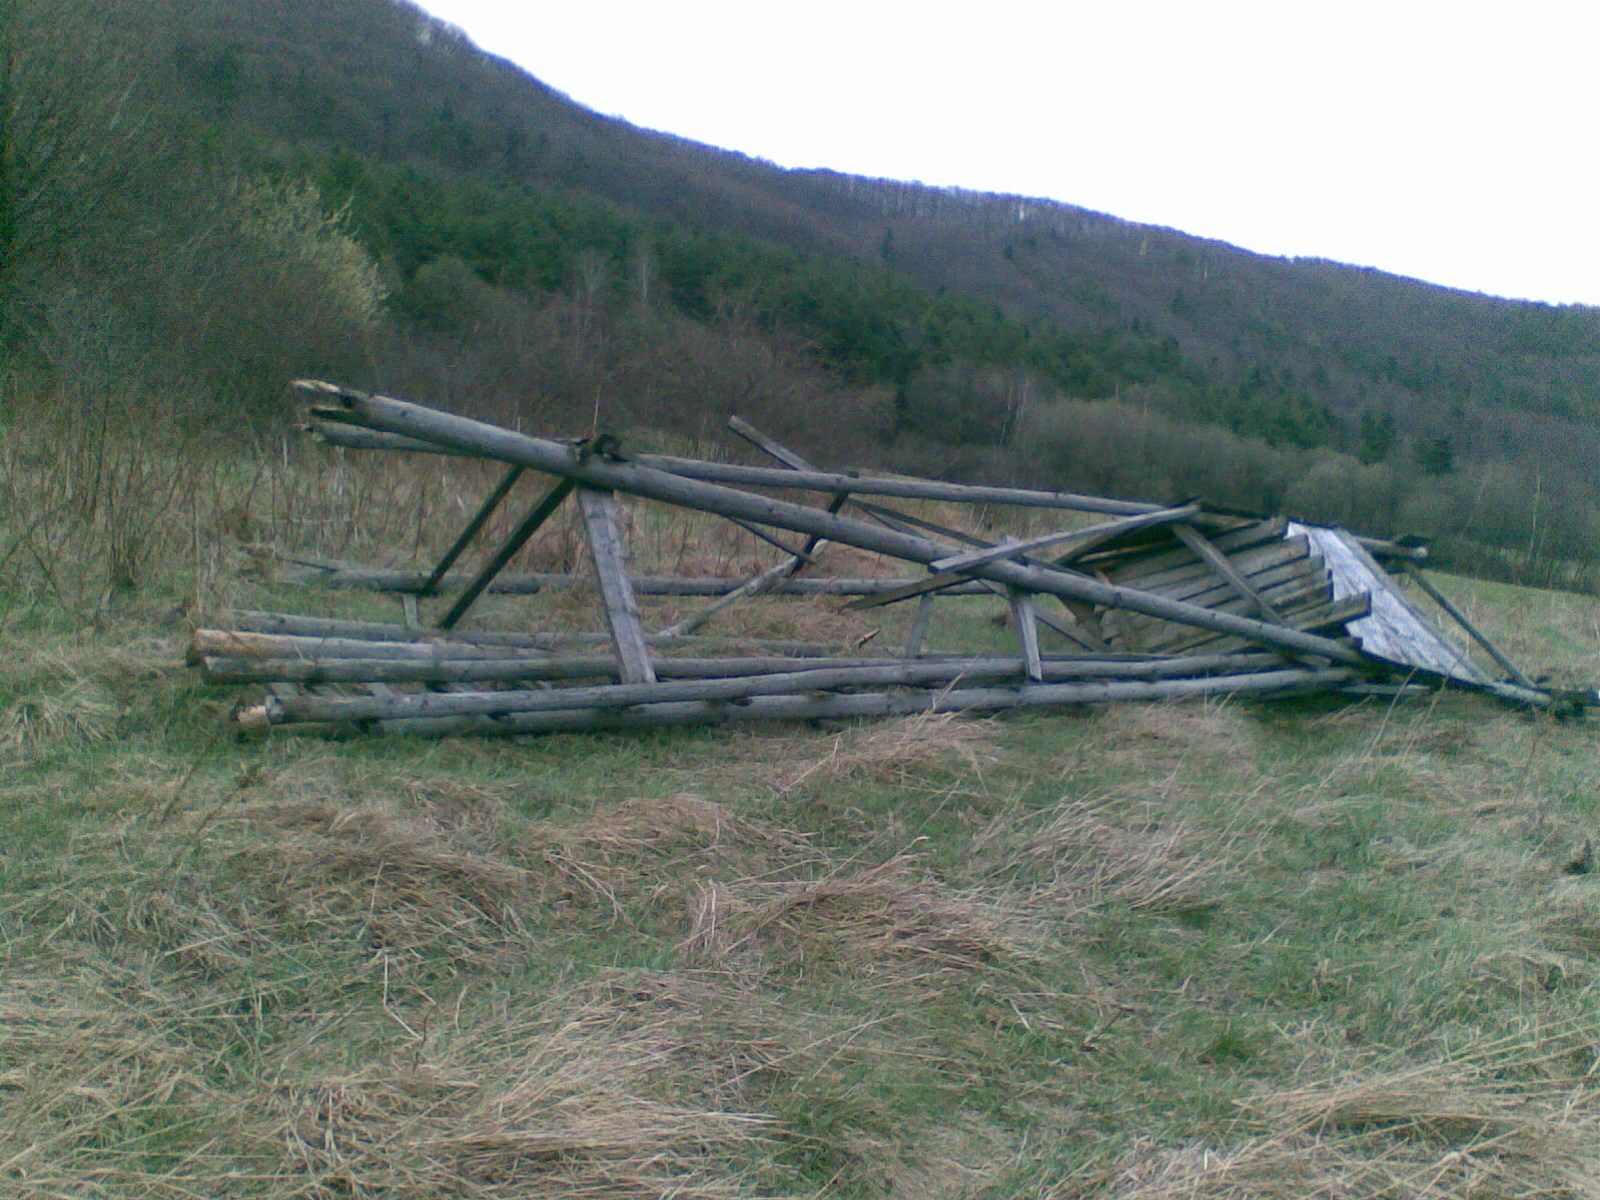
<point x="1394" y="630"/>
<point x="1145" y="564"/>
<point x="388" y="579"/>
<point x="315" y="708"/>
<point x="1219" y="563"/>
<point x="1022" y="616"/>
<point x="757" y="586"/>
<point x="1020" y="546"/>
<point x="1414" y="573"/>
<point x="1077" y="630"/>
<point x="599" y="508"/>
<point x="412" y="420"/>
<point x="541" y="512"/>
<point x="218" y="669"/>
<point x="919" y="627"/>
<point x="872" y="704"/>
<point x="311" y="633"/>
<point x="510" y="670"/>
<point x="474" y="526"/>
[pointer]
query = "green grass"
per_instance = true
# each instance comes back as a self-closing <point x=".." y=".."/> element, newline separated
<point x="1205" y="949"/>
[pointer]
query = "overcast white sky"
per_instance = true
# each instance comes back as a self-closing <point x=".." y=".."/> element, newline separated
<point x="1454" y="142"/>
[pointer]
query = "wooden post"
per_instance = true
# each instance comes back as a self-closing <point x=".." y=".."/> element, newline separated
<point x="919" y="627"/>
<point x="541" y="513"/>
<point x="1022" y="616"/>
<point x="599" y="508"/>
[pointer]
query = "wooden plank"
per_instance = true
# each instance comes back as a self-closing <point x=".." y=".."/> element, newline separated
<point x="540" y="513"/>
<point x="1174" y="580"/>
<point x="1395" y="631"/>
<point x="1092" y="535"/>
<point x="606" y="554"/>
<point x="1261" y="533"/>
<point x="919" y="627"/>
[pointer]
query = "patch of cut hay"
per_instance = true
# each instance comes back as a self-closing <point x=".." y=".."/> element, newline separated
<point x="1088" y="853"/>
<point x="513" y="1107"/>
<point x="882" y="918"/>
<point x="900" y="752"/>
<point x="650" y="850"/>
<point x="407" y="883"/>
<point x="1501" y="1120"/>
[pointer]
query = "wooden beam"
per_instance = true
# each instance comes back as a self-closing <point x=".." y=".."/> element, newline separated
<point x="541" y="512"/>
<point x="919" y="627"/>
<point x="1023" y="617"/>
<point x="599" y="509"/>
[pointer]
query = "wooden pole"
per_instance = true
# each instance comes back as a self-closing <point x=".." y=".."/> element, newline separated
<point x="1097" y="533"/>
<point x="1413" y="573"/>
<point x="599" y="508"/>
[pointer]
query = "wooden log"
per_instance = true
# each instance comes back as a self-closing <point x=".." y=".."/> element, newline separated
<point x="537" y="516"/>
<point x="875" y="704"/>
<point x="353" y="437"/>
<point x="345" y="708"/>
<point x="340" y="576"/>
<point x="1019" y="547"/>
<point x="412" y="420"/>
<point x="304" y="671"/>
<point x="501" y="670"/>
<point x="599" y="508"/>
<point x="474" y="526"/>
<point x="313" y="632"/>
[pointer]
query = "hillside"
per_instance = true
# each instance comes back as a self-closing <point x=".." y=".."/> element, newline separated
<point x="532" y="254"/>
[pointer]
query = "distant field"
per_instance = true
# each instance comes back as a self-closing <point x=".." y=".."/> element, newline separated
<point x="1211" y="949"/>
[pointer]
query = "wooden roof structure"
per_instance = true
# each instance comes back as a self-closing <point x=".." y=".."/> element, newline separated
<point x="1148" y="601"/>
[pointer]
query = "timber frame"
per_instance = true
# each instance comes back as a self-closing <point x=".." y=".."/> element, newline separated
<point x="1153" y="601"/>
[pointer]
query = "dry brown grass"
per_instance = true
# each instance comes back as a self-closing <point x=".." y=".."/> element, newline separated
<point x="898" y="752"/>
<point x="1455" y="1127"/>
<point x="871" y="920"/>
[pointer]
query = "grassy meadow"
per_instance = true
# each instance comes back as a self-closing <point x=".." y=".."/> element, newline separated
<point x="1324" y="947"/>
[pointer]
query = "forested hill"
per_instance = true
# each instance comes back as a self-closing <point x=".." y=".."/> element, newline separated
<point x="422" y="216"/>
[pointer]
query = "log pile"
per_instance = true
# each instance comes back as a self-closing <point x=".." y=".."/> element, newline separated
<point x="1144" y="601"/>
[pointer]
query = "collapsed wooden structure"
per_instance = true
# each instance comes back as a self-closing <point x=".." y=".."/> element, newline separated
<point x="1148" y="601"/>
